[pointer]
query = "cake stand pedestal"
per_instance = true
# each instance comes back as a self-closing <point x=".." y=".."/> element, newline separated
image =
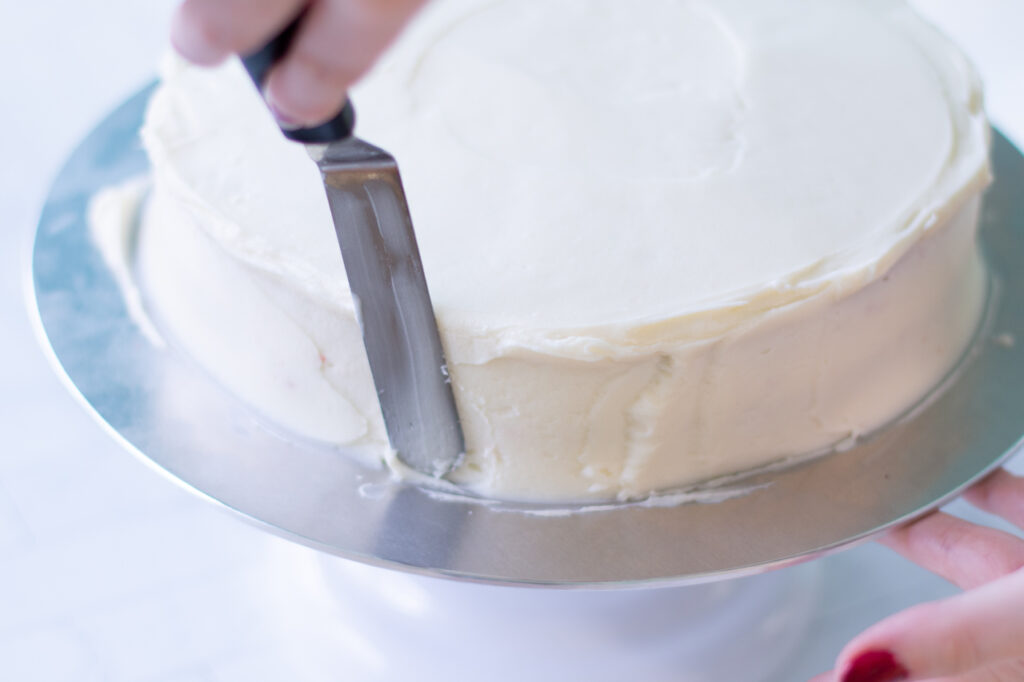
<point x="409" y="627"/>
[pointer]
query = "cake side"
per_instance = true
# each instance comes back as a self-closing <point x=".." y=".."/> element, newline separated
<point x="550" y="428"/>
<point x="632" y="353"/>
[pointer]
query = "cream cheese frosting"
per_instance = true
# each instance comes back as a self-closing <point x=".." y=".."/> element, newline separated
<point x="664" y="244"/>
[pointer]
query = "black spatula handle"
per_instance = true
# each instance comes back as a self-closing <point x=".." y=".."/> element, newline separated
<point x="259" y="63"/>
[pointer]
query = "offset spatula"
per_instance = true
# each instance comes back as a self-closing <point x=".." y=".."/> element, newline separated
<point x="371" y="219"/>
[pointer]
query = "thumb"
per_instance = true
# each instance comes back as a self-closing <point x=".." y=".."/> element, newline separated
<point x="943" y="638"/>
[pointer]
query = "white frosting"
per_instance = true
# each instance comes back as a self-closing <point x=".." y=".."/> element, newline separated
<point x="113" y="219"/>
<point x="664" y="244"/>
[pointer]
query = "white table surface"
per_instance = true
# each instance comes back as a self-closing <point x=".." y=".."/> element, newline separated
<point x="107" y="571"/>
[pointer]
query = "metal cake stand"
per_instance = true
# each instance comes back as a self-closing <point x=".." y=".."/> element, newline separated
<point x="166" y="410"/>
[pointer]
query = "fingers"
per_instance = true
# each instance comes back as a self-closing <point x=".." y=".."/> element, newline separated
<point x="824" y="677"/>
<point x="971" y="637"/>
<point x="207" y="31"/>
<point x="337" y="43"/>
<point x="984" y="627"/>
<point x="961" y="552"/>
<point x="1001" y="494"/>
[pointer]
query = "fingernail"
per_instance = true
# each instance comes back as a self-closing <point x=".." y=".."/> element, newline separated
<point x="283" y="119"/>
<point x="876" y="666"/>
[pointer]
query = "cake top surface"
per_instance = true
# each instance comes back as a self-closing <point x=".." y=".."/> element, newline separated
<point x="589" y="165"/>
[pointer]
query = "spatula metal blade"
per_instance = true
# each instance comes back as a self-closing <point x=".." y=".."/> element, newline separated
<point x="382" y="260"/>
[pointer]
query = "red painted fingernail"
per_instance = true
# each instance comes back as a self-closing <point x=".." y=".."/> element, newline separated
<point x="876" y="666"/>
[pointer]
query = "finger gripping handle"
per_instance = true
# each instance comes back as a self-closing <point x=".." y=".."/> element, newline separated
<point x="259" y="64"/>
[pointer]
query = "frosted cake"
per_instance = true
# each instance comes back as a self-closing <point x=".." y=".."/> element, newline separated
<point x="664" y="244"/>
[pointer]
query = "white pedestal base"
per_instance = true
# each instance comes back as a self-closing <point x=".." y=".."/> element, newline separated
<point x="429" y="630"/>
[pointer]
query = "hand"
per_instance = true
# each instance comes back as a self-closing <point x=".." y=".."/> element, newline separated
<point x="338" y="41"/>
<point x="976" y="636"/>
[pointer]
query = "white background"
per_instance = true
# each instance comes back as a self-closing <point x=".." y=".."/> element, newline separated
<point x="108" y="572"/>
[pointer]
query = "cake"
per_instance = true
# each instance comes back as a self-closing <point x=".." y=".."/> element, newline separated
<point x="665" y="243"/>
